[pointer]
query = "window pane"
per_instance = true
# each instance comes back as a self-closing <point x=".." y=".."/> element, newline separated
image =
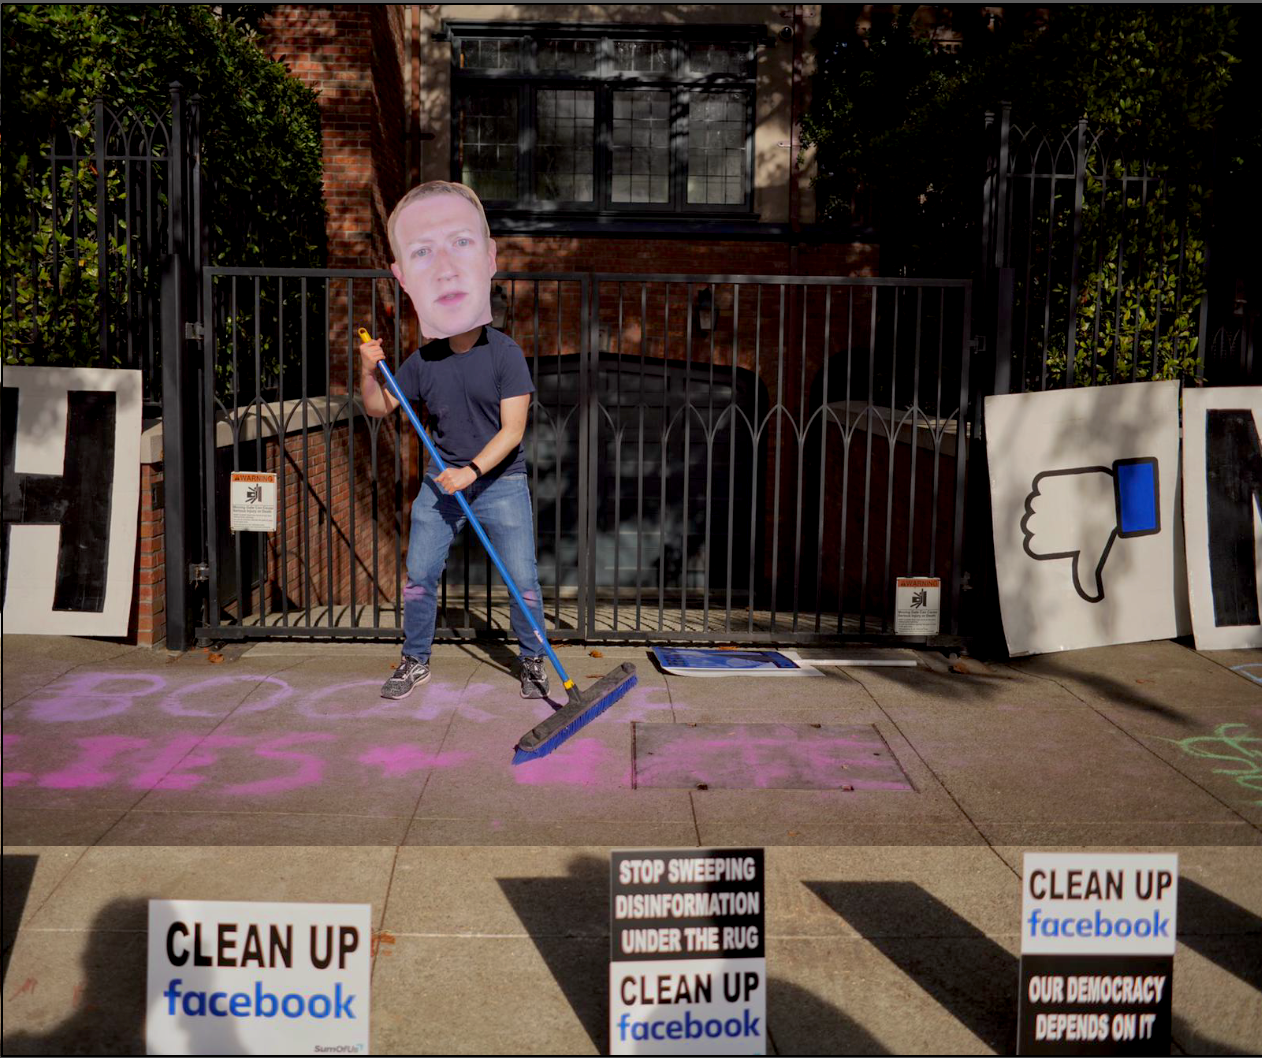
<point x="564" y="159"/>
<point x="641" y="139"/>
<point x="716" y="148"/>
<point x="489" y="54"/>
<point x="568" y="56"/>
<point x="488" y="142"/>
<point x="718" y="58"/>
<point x="641" y="56"/>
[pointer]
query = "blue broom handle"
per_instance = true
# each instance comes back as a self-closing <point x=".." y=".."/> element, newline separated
<point x="406" y="405"/>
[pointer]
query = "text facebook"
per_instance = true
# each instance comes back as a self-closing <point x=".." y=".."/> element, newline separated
<point x="260" y="1004"/>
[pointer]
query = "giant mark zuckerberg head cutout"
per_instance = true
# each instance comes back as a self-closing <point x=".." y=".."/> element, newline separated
<point x="444" y="257"/>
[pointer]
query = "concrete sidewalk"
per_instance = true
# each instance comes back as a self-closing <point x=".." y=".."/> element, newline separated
<point x="131" y="774"/>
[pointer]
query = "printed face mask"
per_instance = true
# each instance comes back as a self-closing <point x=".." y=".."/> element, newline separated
<point x="446" y="264"/>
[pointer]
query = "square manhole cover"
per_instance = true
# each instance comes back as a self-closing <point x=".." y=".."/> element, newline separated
<point x="764" y="757"/>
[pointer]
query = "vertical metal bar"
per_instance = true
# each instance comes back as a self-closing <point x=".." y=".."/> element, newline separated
<point x="867" y="469"/>
<point x="753" y="463"/>
<point x="683" y="527"/>
<point x="957" y="556"/>
<point x="590" y="339"/>
<point x="709" y="465"/>
<point x="1139" y="286"/>
<point x="639" y="461"/>
<point x="282" y="444"/>
<point x="823" y="461"/>
<point x="731" y="453"/>
<point x="1075" y="267"/>
<point x="939" y="433"/>
<point x="800" y="433"/>
<point x="1048" y="286"/>
<point x="209" y="451"/>
<point x="535" y="426"/>
<point x="54" y="242"/>
<point x="397" y="494"/>
<point x="1099" y="273"/>
<point x="891" y="432"/>
<point x="775" y="530"/>
<point x="915" y="434"/>
<point x="661" y="509"/>
<point x="260" y="463"/>
<point x="847" y="436"/>
<point x="1115" y="342"/>
<point x="305" y="479"/>
<point x="374" y="432"/>
<point x="237" y="419"/>
<point x="560" y="448"/>
<point x="617" y="492"/>
<point x="328" y="452"/>
<point x="350" y="443"/>
<point x="102" y="234"/>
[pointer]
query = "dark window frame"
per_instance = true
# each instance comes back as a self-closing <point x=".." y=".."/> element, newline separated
<point x="527" y="79"/>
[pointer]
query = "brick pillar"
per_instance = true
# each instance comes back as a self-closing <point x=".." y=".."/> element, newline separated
<point x="354" y="56"/>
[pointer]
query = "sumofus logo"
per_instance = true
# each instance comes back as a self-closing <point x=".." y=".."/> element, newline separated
<point x="341" y="1048"/>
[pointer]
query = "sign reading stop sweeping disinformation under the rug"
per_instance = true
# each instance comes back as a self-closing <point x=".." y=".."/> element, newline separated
<point x="688" y="967"/>
<point x="1097" y="953"/>
<point x="258" y="978"/>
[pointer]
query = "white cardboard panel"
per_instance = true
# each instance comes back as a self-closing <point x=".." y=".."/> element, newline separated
<point x="40" y="448"/>
<point x="1215" y="523"/>
<point x="1069" y="574"/>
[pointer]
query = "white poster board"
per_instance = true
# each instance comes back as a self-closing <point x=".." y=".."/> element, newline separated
<point x="1084" y="487"/>
<point x="1222" y="514"/>
<point x="72" y="487"/>
<point x="235" y="977"/>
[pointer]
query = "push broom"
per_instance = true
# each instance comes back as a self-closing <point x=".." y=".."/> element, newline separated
<point x="583" y="706"/>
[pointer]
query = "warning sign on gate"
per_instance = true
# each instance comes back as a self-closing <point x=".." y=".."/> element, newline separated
<point x="917" y="606"/>
<point x="252" y="500"/>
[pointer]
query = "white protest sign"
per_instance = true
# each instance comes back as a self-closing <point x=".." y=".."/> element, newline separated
<point x="252" y="501"/>
<point x="1084" y="487"/>
<point x="1097" y="953"/>
<point x="688" y="968"/>
<point x="1222" y="514"/>
<point x="258" y="978"/>
<point x="917" y="606"/>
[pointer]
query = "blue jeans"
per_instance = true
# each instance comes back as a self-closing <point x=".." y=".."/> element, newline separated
<point x="502" y="505"/>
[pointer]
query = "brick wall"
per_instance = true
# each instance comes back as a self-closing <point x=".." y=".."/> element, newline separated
<point x="147" y="624"/>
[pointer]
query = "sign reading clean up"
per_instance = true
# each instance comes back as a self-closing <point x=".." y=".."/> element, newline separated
<point x="1097" y="953"/>
<point x="688" y="967"/>
<point x="253" y="503"/>
<point x="917" y="606"/>
<point x="258" y="978"/>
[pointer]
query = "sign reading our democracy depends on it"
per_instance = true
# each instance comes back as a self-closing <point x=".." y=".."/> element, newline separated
<point x="1097" y="953"/>
<point x="688" y="967"/>
<point x="258" y="978"/>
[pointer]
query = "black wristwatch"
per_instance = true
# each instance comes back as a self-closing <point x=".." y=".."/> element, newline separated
<point x="477" y="471"/>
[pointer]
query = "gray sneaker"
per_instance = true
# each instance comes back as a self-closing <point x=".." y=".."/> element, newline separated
<point x="534" y="679"/>
<point x="406" y="676"/>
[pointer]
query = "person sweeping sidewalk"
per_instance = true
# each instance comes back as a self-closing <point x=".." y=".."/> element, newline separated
<point x="476" y="383"/>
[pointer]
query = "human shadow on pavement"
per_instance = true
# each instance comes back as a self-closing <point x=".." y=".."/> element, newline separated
<point x="972" y="977"/>
<point x="1221" y="931"/>
<point x="568" y="921"/>
<point x="16" y="874"/>
<point x="1054" y="669"/>
<point x="1191" y="1040"/>
<point x="105" y="1006"/>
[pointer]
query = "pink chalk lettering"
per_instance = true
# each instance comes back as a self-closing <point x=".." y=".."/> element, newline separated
<point x="346" y="701"/>
<point x="169" y="770"/>
<point x="584" y="762"/>
<point x="89" y="770"/>
<point x="405" y="759"/>
<point x="310" y="768"/>
<point x="85" y="696"/>
<point x="174" y="704"/>
<point x="13" y="778"/>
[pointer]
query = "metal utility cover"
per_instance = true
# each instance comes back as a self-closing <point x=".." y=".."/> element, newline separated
<point x="764" y="757"/>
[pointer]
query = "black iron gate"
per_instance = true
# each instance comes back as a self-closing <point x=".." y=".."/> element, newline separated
<point x="712" y="458"/>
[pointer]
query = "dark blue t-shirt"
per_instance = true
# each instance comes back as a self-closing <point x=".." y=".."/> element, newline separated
<point x="463" y="392"/>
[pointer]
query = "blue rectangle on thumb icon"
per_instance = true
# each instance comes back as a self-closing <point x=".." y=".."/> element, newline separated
<point x="1136" y="490"/>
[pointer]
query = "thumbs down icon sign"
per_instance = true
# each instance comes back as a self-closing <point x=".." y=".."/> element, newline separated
<point x="1077" y="514"/>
